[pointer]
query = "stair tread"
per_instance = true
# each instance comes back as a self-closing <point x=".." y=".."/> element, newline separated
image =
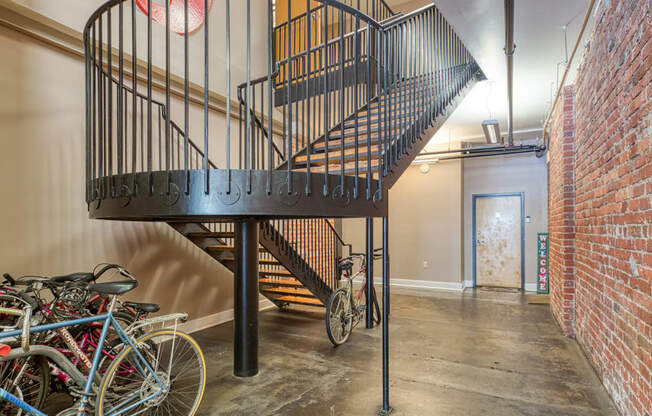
<point x="260" y="261"/>
<point x="300" y="300"/>
<point x="280" y="282"/>
<point x="269" y="272"/>
<point x="298" y="291"/>
<point x="228" y="248"/>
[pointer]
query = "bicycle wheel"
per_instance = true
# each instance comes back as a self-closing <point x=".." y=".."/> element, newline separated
<point x="177" y="361"/>
<point x="376" y="309"/>
<point x="26" y="378"/>
<point x="338" y="317"/>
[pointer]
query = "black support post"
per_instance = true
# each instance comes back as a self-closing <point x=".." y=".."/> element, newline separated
<point x="370" y="273"/>
<point x="245" y="323"/>
<point x="386" y="409"/>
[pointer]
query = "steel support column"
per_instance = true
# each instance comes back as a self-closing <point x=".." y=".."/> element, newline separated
<point x="386" y="409"/>
<point x="370" y="273"/>
<point x="245" y="322"/>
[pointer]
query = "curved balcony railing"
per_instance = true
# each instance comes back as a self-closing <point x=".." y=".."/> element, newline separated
<point x="150" y="141"/>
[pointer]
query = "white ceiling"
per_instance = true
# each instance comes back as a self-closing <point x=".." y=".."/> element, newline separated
<point x="539" y="48"/>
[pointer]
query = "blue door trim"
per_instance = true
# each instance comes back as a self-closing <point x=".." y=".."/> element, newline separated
<point x="522" y="196"/>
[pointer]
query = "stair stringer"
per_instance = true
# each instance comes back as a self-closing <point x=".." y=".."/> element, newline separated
<point x="401" y="165"/>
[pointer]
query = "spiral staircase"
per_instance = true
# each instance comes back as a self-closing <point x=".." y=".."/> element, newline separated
<point x="352" y="94"/>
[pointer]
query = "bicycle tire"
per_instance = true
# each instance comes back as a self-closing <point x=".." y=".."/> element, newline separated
<point x="337" y="319"/>
<point x="40" y="376"/>
<point x="111" y="387"/>
<point x="376" y="308"/>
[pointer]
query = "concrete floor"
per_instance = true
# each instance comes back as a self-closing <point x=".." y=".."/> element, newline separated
<point x="477" y="353"/>
<point x="480" y="353"/>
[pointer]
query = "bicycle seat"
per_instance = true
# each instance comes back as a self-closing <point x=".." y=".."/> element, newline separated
<point x="345" y="265"/>
<point x="74" y="277"/>
<point x="143" y="307"/>
<point x="4" y="350"/>
<point x="114" y="288"/>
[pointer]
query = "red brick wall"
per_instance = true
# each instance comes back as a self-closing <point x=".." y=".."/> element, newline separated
<point x="561" y="212"/>
<point x="613" y="191"/>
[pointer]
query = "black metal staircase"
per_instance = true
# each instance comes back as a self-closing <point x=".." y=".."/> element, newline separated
<point x="351" y="95"/>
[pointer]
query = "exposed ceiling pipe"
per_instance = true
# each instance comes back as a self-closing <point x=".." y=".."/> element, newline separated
<point x="504" y="151"/>
<point x="509" y="52"/>
<point x="546" y="135"/>
<point x="478" y="149"/>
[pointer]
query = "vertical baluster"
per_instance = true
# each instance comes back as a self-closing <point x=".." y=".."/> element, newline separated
<point x="94" y="71"/>
<point x="356" y="63"/>
<point x="119" y="92"/>
<point x="308" y="70"/>
<point x="206" y="89"/>
<point x="393" y="98"/>
<point x="142" y="134"/>
<point x="150" y="182"/>
<point x="381" y="109"/>
<point x="270" y="68"/>
<point x="368" y="82"/>
<point x="414" y="54"/>
<point x="388" y="102"/>
<point x="101" y="110"/>
<point x="89" y="121"/>
<point x="248" y="134"/>
<point x="422" y="79"/>
<point x="289" y="100"/>
<point x="400" y="89"/>
<point x="134" y="103"/>
<point x="186" y="103"/>
<point x="109" y="56"/>
<point x="160" y="147"/>
<point x="241" y="143"/>
<point x="326" y="99"/>
<point x="341" y="97"/>
<point x="253" y="131"/>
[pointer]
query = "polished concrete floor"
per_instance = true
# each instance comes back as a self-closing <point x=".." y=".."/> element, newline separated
<point x="477" y="353"/>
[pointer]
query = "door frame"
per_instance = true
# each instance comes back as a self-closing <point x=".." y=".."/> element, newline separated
<point x="497" y="195"/>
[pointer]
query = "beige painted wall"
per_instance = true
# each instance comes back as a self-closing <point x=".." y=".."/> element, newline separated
<point x="504" y="174"/>
<point x="425" y="217"/>
<point x="43" y="217"/>
<point x="75" y="13"/>
<point x="431" y="216"/>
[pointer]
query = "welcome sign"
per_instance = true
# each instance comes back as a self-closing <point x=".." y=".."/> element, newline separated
<point x="542" y="263"/>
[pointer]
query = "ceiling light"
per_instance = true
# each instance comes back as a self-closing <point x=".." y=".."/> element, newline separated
<point x="425" y="161"/>
<point x="491" y="131"/>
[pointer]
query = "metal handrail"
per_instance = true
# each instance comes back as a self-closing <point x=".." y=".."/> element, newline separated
<point x="174" y="125"/>
<point x="352" y="11"/>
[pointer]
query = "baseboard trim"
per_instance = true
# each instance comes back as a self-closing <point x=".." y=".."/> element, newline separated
<point x="219" y="318"/>
<point x="418" y="284"/>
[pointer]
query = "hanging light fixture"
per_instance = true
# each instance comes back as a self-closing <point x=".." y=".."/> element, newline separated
<point x="491" y="131"/>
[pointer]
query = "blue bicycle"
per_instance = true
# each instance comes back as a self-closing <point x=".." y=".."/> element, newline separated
<point x="158" y="372"/>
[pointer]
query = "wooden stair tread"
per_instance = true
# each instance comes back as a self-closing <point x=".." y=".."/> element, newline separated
<point x="300" y="300"/>
<point x="228" y="248"/>
<point x="280" y="282"/>
<point x="268" y="272"/>
<point x="260" y="262"/>
<point x="292" y="291"/>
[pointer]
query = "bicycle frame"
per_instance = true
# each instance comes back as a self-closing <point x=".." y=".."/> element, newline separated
<point x="107" y="320"/>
